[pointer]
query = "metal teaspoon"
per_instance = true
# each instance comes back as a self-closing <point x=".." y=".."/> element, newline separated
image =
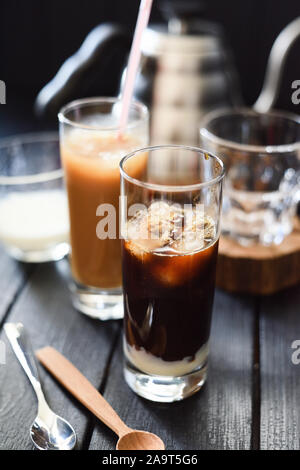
<point x="48" y="431"/>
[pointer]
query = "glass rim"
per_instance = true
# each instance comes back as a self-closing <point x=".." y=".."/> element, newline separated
<point x="266" y="149"/>
<point x="142" y="108"/>
<point x="166" y="187"/>
<point x="30" y="138"/>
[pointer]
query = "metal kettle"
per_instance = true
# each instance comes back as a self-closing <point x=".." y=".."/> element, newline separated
<point x="186" y="70"/>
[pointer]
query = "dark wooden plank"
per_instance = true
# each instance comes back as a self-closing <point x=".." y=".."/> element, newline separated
<point x="44" y="308"/>
<point x="280" y="378"/>
<point x="13" y="276"/>
<point x="219" y="416"/>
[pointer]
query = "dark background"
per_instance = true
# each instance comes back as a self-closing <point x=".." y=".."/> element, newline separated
<point x="36" y="36"/>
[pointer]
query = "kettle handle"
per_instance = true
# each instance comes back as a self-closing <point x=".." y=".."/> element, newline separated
<point x="275" y="65"/>
<point x="68" y="78"/>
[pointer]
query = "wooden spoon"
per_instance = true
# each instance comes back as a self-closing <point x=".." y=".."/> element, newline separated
<point x="73" y="380"/>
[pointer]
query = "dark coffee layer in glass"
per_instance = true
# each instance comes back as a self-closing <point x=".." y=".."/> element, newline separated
<point x="168" y="300"/>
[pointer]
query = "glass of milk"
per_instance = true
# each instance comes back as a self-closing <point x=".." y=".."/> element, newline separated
<point x="34" y="221"/>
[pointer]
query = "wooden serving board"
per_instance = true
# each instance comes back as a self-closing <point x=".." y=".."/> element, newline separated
<point x="258" y="269"/>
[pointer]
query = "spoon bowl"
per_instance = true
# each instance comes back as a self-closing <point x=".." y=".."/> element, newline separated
<point x="140" y="440"/>
<point x="53" y="434"/>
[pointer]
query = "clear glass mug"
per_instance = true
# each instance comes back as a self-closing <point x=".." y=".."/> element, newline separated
<point x="261" y="153"/>
<point x="91" y="149"/>
<point x="170" y="219"/>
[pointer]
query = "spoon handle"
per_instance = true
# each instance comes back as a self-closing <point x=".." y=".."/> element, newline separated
<point x="77" y="384"/>
<point x="20" y="343"/>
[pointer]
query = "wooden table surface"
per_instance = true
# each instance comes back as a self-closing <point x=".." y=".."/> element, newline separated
<point x="250" y="401"/>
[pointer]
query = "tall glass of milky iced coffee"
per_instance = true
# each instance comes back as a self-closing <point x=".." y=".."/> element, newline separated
<point x="91" y="149"/>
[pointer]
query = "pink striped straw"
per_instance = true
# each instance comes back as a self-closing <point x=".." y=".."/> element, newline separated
<point x="133" y="63"/>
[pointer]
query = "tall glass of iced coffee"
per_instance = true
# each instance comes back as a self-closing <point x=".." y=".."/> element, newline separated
<point x="170" y="219"/>
<point x="91" y="150"/>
